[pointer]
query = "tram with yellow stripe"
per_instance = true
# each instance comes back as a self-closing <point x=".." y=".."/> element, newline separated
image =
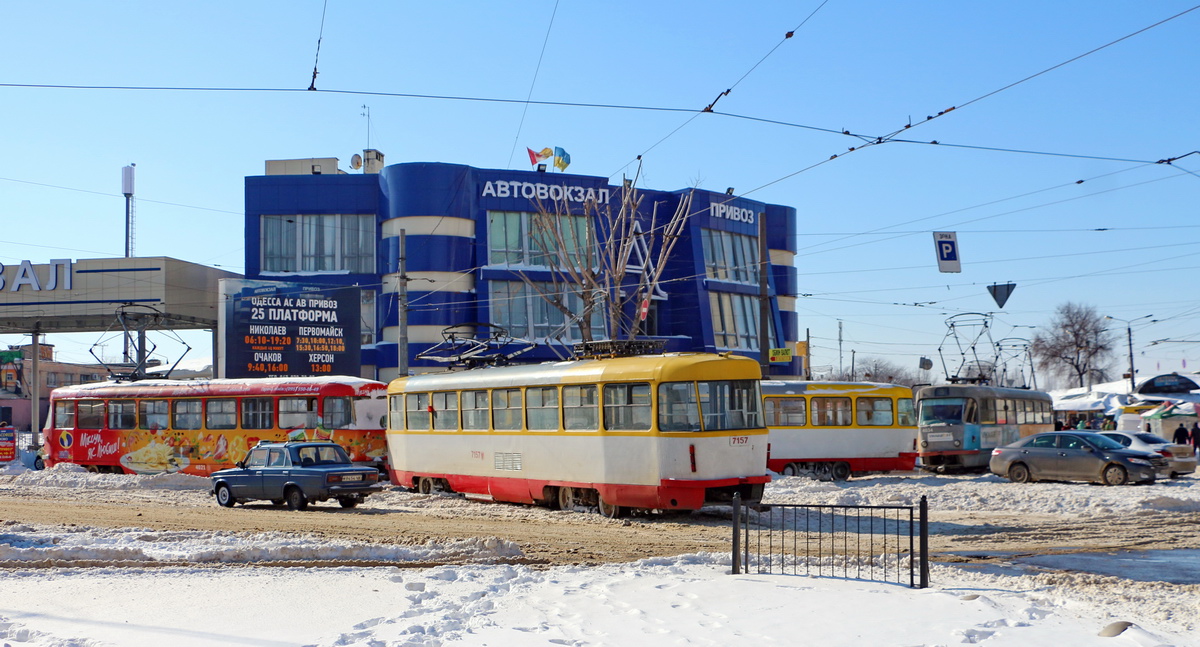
<point x="661" y="432"/>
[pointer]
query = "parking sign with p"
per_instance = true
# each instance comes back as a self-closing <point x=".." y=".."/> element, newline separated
<point x="946" y="243"/>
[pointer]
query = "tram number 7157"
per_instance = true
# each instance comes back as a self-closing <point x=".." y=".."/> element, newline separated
<point x="735" y="441"/>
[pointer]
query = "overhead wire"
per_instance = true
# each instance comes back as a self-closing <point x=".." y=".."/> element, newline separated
<point x="532" y="83"/>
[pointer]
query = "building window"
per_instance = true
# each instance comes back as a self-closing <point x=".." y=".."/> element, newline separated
<point x="519" y="238"/>
<point x="319" y="243"/>
<point x="525" y="313"/>
<point x="734" y="320"/>
<point x="730" y="257"/>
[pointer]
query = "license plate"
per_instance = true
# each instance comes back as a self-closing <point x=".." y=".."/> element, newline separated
<point x="352" y="477"/>
<point x="939" y="436"/>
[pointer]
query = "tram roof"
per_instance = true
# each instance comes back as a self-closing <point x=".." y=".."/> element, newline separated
<point x="669" y="367"/>
<point x="807" y="387"/>
<point x="219" y="387"/>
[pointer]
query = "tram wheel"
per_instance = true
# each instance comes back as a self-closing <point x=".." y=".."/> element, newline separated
<point x="565" y="498"/>
<point x="609" y="510"/>
<point x="791" y="469"/>
<point x="425" y="485"/>
<point x="840" y="471"/>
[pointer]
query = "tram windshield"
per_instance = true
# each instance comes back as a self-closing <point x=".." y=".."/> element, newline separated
<point x="942" y="411"/>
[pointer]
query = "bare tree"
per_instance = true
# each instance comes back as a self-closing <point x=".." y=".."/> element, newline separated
<point x="1075" y="345"/>
<point x="876" y="369"/>
<point x="591" y="254"/>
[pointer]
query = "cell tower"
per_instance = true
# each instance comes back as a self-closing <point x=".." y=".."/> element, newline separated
<point x="127" y="189"/>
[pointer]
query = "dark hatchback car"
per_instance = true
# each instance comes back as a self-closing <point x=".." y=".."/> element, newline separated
<point x="1075" y="456"/>
<point x="295" y="473"/>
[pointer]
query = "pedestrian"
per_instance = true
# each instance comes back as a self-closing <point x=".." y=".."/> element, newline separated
<point x="1182" y="437"/>
<point x="1196" y="439"/>
<point x="1082" y="424"/>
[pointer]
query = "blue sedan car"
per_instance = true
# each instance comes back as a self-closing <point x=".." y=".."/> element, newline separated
<point x="295" y="473"/>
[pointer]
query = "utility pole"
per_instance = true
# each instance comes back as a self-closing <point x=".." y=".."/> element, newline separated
<point x="764" y="300"/>
<point x="402" y="312"/>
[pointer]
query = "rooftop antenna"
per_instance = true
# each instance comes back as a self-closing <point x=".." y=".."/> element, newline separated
<point x="367" y="113"/>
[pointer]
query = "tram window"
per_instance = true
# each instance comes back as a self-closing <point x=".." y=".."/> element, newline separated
<point x="90" y="414"/>
<point x="905" y="416"/>
<point x="396" y="412"/>
<point x="941" y="411"/>
<point x="221" y="414"/>
<point x="258" y="413"/>
<point x="336" y="413"/>
<point x="627" y="407"/>
<point x="445" y="410"/>
<point x="186" y="414"/>
<point x="64" y="415"/>
<point x="298" y="413"/>
<point x="831" y="412"/>
<point x="416" y="411"/>
<point x="971" y="415"/>
<point x="580" y="408"/>
<point x="1001" y="412"/>
<point x="542" y="407"/>
<point x="122" y="414"/>
<point x="987" y="411"/>
<point x="873" y="412"/>
<point x="154" y="414"/>
<point x="678" y="409"/>
<point x="475" y="410"/>
<point x="506" y="409"/>
<point x="786" y="412"/>
<point x="733" y="404"/>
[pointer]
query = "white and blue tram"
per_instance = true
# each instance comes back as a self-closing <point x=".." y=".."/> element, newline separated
<point x="960" y="424"/>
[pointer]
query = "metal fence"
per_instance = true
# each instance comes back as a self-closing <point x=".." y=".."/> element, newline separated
<point x="864" y="542"/>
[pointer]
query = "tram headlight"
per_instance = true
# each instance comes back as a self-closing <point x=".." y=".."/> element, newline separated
<point x="958" y="443"/>
<point x="924" y="443"/>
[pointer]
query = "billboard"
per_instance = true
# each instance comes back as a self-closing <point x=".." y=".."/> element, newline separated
<point x="278" y="329"/>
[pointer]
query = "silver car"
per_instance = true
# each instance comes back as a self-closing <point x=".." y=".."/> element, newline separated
<point x="1180" y="458"/>
<point x="1075" y="456"/>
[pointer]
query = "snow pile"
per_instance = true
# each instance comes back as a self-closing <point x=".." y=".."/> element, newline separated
<point x="68" y="475"/>
<point x="685" y="600"/>
<point x="989" y="493"/>
<point x="12" y="468"/>
<point x="23" y="543"/>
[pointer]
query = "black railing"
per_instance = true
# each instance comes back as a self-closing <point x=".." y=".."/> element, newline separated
<point x="881" y="543"/>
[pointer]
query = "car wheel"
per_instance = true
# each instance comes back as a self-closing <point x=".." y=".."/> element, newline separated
<point x="1176" y="475"/>
<point x="225" y="496"/>
<point x="841" y="471"/>
<point x="347" y="501"/>
<point x="295" y="499"/>
<point x="425" y="485"/>
<point x="39" y="464"/>
<point x="609" y="510"/>
<point x="1019" y="473"/>
<point x="791" y="469"/>
<point x="1115" y="475"/>
<point x="565" y="499"/>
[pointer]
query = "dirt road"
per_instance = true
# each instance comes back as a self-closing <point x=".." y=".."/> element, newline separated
<point x="549" y="537"/>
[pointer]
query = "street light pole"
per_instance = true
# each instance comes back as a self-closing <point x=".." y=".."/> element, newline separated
<point x="1129" y="334"/>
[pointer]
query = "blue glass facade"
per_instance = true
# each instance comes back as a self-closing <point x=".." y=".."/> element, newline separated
<point x="468" y="240"/>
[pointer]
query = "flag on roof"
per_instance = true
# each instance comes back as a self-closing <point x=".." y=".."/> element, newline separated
<point x="537" y="156"/>
<point x="561" y="159"/>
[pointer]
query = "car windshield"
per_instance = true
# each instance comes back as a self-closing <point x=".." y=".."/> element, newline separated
<point x="1151" y="439"/>
<point x="1104" y="442"/>
<point x="942" y="411"/>
<point x="322" y="455"/>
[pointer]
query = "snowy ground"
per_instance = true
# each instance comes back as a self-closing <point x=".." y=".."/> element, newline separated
<point x="196" y="588"/>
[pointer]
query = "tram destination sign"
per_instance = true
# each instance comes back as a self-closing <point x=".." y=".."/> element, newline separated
<point x="290" y="329"/>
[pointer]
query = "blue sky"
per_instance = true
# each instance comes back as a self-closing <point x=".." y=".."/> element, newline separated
<point x="870" y="68"/>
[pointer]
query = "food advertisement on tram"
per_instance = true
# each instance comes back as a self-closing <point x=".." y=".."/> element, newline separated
<point x="198" y="452"/>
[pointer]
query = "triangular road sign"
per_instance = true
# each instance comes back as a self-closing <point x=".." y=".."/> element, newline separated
<point x="1001" y="292"/>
